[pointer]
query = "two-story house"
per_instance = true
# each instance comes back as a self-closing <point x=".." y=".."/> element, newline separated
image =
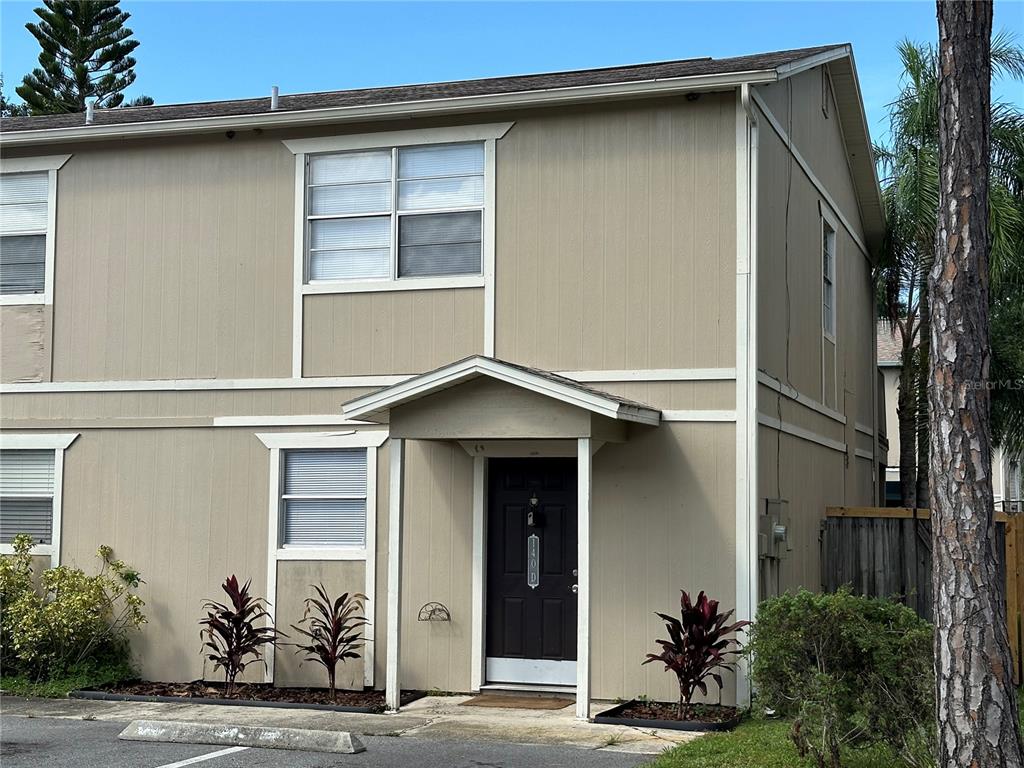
<point x="541" y="349"/>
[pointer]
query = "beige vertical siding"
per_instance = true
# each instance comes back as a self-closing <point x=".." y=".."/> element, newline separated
<point x="663" y="520"/>
<point x="616" y="237"/>
<point x="187" y="507"/>
<point x="437" y="566"/>
<point x="174" y="261"/>
<point x="391" y="332"/>
<point x="25" y="342"/>
<point x="295" y="579"/>
<point x="841" y="375"/>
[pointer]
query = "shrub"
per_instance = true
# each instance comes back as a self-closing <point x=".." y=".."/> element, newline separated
<point x="70" y="619"/>
<point x="699" y="646"/>
<point x="333" y="629"/>
<point x="849" y="670"/>
<point x="230" y="632"/>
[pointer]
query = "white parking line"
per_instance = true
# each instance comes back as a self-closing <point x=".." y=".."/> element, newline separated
<point x="203" y="758"/>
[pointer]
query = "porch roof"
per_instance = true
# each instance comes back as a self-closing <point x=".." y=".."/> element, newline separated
<point x="377" y="405"/>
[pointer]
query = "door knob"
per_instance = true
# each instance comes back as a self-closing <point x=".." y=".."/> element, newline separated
<point x="575" y="588"/>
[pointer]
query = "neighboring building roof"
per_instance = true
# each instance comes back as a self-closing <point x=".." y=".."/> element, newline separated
<point x="375" y="404"/>
<point x="888" y="344"/>
<point x="491" y="86"/>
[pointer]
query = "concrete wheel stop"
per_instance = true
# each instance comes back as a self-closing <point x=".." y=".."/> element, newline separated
<point x="242" y="736"/>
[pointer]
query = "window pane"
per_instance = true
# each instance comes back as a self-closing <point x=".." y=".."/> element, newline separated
<point x="453" y="192"/>
<point x="26" y="472"/>
<point x="435" y="228"/>
<point x="426" y="260"/>
<point x="31" y="516"/>
<point x="325" y="522"/>
<point x="351" y="233"/>
<point x="439" y="244"/>
<point x="23" y="188"/>
<point x="22" y="217"/>
<point x="350" y="198"/>
<point x="339" y="472"/>
<point x="22" y="264"/>
<point x="347" y="167"/>
<point x="350" y="264"/>
<point x="440" y="160"/>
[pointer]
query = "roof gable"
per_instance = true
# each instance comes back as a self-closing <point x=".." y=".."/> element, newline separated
<point x="373" y="406"/>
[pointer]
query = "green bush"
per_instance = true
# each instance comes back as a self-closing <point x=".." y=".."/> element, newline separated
<point x="67" y="618"/>
<point x="850" y="671"/>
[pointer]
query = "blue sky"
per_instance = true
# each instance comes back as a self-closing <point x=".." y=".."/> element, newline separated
<point x="199" y="51"/>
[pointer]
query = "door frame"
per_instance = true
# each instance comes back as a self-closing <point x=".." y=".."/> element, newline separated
<point x="583" y="449"/>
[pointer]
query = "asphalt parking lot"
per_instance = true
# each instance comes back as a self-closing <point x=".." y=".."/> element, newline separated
<point x="34" y="742"/>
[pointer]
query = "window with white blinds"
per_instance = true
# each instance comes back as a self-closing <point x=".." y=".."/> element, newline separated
<point x="401" y="212"/>
<point x="24" y="222"/>
<point x="323" y="499"/>
<point x="26" y="495"/>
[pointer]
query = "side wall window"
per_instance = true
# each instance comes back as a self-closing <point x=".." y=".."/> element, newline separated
<point x="828" y="278"/>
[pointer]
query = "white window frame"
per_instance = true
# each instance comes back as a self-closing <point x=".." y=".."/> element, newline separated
<point x="51" y="164"/>
<point x="58" y="443"/>
<point x="827" y="220"/>
<point x="371" y="440"/>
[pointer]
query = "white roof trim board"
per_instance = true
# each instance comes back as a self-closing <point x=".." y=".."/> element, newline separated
<point x="541" y="382"/>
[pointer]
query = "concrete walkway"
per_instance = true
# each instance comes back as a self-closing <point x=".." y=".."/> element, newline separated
<point x="433" y="717"/>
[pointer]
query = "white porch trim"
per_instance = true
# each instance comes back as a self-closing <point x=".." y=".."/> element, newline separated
<point x="478" y="622"/>
<point x="396" y="487"/>
<point x="583" y="475"/>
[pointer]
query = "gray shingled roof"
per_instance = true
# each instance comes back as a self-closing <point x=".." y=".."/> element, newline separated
<point x="413" y="93"/>
<point x="888" y="344"/>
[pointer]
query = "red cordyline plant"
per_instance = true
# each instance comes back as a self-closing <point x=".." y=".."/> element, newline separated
<point x="699" y="646"/>
<point x="232" y="639"/>
<point x="333" y="629"/>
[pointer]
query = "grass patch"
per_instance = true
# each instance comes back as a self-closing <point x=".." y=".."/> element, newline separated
<point x="77" y="678"/>
<point x="757" y="744"/>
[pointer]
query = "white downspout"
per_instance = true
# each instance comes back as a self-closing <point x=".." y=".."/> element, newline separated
<point x="746" y="373"/>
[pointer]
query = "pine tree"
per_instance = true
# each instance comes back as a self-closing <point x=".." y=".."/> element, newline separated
<point x="7" y="109"/>
<point x="85" y="54"/>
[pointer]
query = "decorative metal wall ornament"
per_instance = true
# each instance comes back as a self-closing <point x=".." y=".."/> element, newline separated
<point x="533" y="561"/>
<point x="434" y="612"/>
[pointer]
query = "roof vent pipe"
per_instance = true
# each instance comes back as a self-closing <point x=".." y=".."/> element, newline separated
<point x="273" y="97"/>
<point x="90" y="112"/>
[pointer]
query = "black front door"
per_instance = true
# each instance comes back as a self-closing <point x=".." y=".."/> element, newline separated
<point x="531" y="559"/>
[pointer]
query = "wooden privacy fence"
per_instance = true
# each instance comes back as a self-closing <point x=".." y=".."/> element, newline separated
<point x="887" y="552"/>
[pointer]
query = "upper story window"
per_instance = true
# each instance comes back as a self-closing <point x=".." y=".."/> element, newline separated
<point x="24" y="223"/>
<point x="828" y="278"/>
<point x="28" y="210"/>
<point x="402" y="212"/>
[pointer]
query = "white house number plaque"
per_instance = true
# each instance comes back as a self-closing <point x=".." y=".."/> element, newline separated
<point x="533" y="560"/>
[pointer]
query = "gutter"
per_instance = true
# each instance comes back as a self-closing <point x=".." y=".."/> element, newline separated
<point x="396" y="110"/>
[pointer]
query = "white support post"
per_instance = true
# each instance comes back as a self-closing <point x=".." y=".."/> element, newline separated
<point x="477" y="671"/>
<point x="583" y="475"/>
<point x="393" y="690"/>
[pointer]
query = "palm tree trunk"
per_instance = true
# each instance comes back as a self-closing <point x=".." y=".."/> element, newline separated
<point x="906" y="414"/>
<point x="976" y="701"/>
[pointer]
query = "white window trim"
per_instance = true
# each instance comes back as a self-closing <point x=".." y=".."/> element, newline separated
<point x="51" y="164"/>
<point x="371" y="440"/>
<point x="58" y="443"/>
<point x="488" y="133"/>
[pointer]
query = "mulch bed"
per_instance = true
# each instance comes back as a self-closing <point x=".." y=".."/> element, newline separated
<point x="200" y="691"/>
<point x="657" y="714"/>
